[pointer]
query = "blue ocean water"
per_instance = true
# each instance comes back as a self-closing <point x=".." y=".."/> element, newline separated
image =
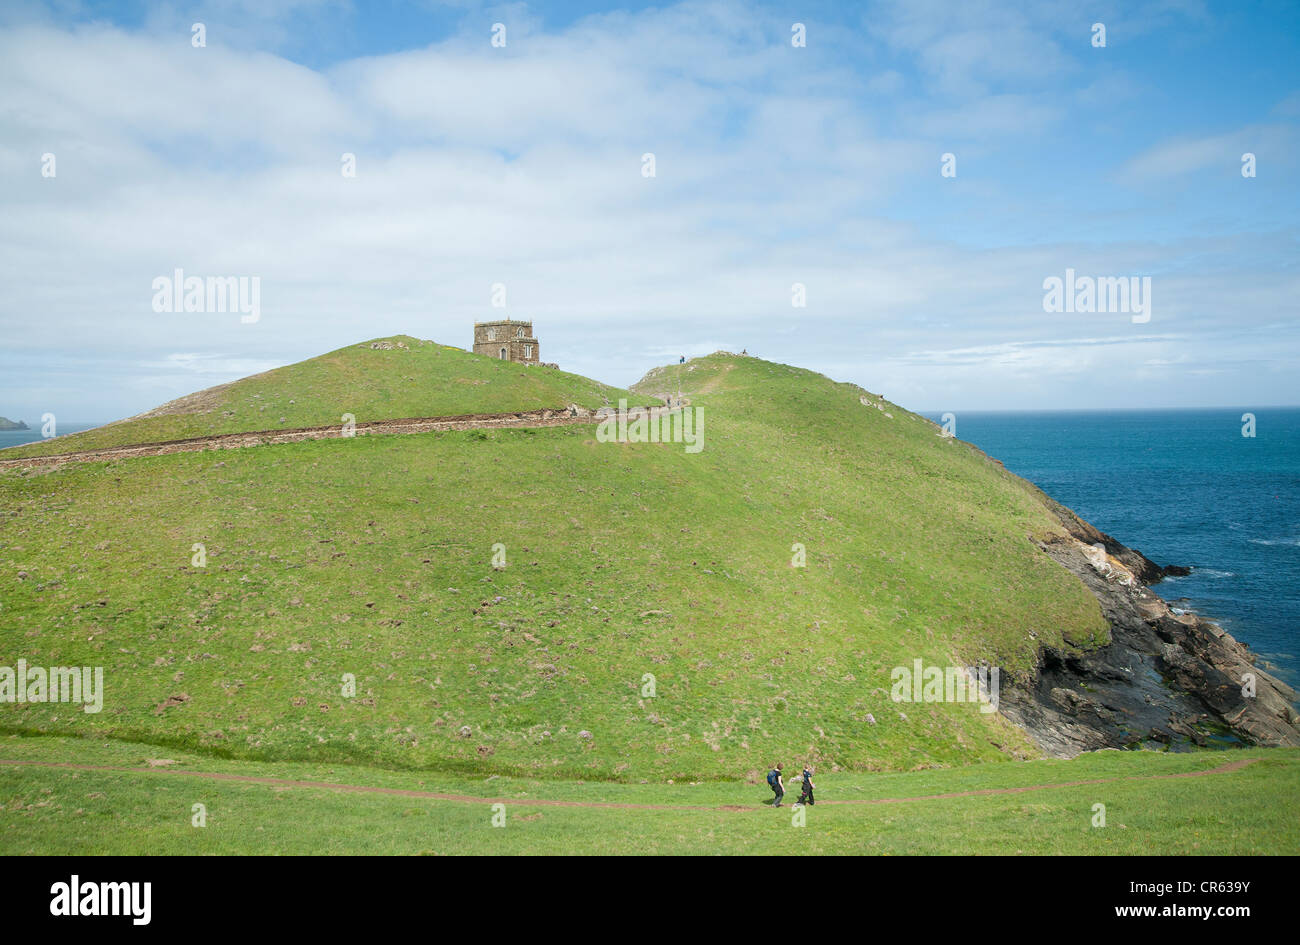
<point x="19" y="437"/>
<point x="1183" y="487"/>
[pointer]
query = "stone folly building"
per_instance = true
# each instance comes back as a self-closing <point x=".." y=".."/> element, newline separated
<point x="507" y="340"/>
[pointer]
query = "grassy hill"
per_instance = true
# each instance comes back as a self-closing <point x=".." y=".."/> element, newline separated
<point x="373" y="557"/>
<point x="381" y="379"/>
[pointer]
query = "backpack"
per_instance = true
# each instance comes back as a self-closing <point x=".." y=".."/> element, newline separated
<point x="771" y="777"/>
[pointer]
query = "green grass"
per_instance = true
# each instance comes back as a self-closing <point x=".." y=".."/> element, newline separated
<point x="50" y="811"/>
<point x="424" y="379"/>
<point x="372" y="557"/>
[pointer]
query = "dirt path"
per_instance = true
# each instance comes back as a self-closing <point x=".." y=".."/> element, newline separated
<point x="230" y="441"/>
<point x="227" y="441"/>
<point x="545" y="802"/>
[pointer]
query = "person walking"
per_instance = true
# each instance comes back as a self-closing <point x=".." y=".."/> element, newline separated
<point x="776" y="784"/>
<point x="806" y="796"/>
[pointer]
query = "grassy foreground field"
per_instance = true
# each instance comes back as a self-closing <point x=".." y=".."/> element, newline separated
<point x="1248" y="810"/>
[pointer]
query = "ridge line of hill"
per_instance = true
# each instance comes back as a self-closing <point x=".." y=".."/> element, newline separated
<point x="382" y="379"/>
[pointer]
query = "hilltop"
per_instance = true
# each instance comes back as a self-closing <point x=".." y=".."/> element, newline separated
<point x="540" y="603"/>
<point x="380" y="379"/>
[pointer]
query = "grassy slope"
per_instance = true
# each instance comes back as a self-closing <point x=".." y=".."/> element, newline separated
<point x="43" y="811"/>
<point x="371" y="556"/>
<point x="424" y="380"/>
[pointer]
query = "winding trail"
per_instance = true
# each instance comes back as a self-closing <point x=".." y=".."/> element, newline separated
<point x="226" y="441"/>
<point x="548" y="417"/>
<point x="548" y="802"/>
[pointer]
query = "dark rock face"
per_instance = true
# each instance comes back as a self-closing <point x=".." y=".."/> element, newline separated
<point x="1164" y="679"/>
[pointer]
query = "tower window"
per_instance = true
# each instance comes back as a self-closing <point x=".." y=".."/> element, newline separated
<point x="503" y="354"/>
<point x="528" y="351"/>
<point x="519" y="332"/>
<point x="492" y="334"/>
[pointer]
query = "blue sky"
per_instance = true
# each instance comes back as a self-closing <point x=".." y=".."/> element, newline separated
<point x="774" y="165"/>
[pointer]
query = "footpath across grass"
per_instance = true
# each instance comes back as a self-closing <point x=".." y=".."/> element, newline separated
<point x="380" y="379"/>
<point x="44" y="810"/>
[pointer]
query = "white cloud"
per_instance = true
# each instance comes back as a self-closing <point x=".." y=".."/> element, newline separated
<point x="523" y="166"/>
<point x="212" y="364"/>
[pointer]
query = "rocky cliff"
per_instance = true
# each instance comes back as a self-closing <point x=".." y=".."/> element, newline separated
<point x="1165" y="678"/>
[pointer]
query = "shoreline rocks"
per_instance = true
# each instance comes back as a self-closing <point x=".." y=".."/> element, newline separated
<point x="1166" y="678"/>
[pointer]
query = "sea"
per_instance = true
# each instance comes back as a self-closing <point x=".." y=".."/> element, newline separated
<point x="19" y="437"/>
<point x="1186" y="487"/>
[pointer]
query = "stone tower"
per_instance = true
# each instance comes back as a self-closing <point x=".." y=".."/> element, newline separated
<point x="507" y="340"/>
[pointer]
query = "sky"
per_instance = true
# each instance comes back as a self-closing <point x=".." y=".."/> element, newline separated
<point x="522" y="165"/>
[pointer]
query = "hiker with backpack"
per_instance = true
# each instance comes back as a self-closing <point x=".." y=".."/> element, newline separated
<point x="775" y="783"/>
<point x="806" y="796"/>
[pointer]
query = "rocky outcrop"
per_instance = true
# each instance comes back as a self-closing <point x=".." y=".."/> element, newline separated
<point x="1142" y="567"/>
<point x="7" y="424"/>
<point x="1165" y="678"/>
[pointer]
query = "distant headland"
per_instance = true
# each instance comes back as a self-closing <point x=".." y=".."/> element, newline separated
<point x="7" y="424"/>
